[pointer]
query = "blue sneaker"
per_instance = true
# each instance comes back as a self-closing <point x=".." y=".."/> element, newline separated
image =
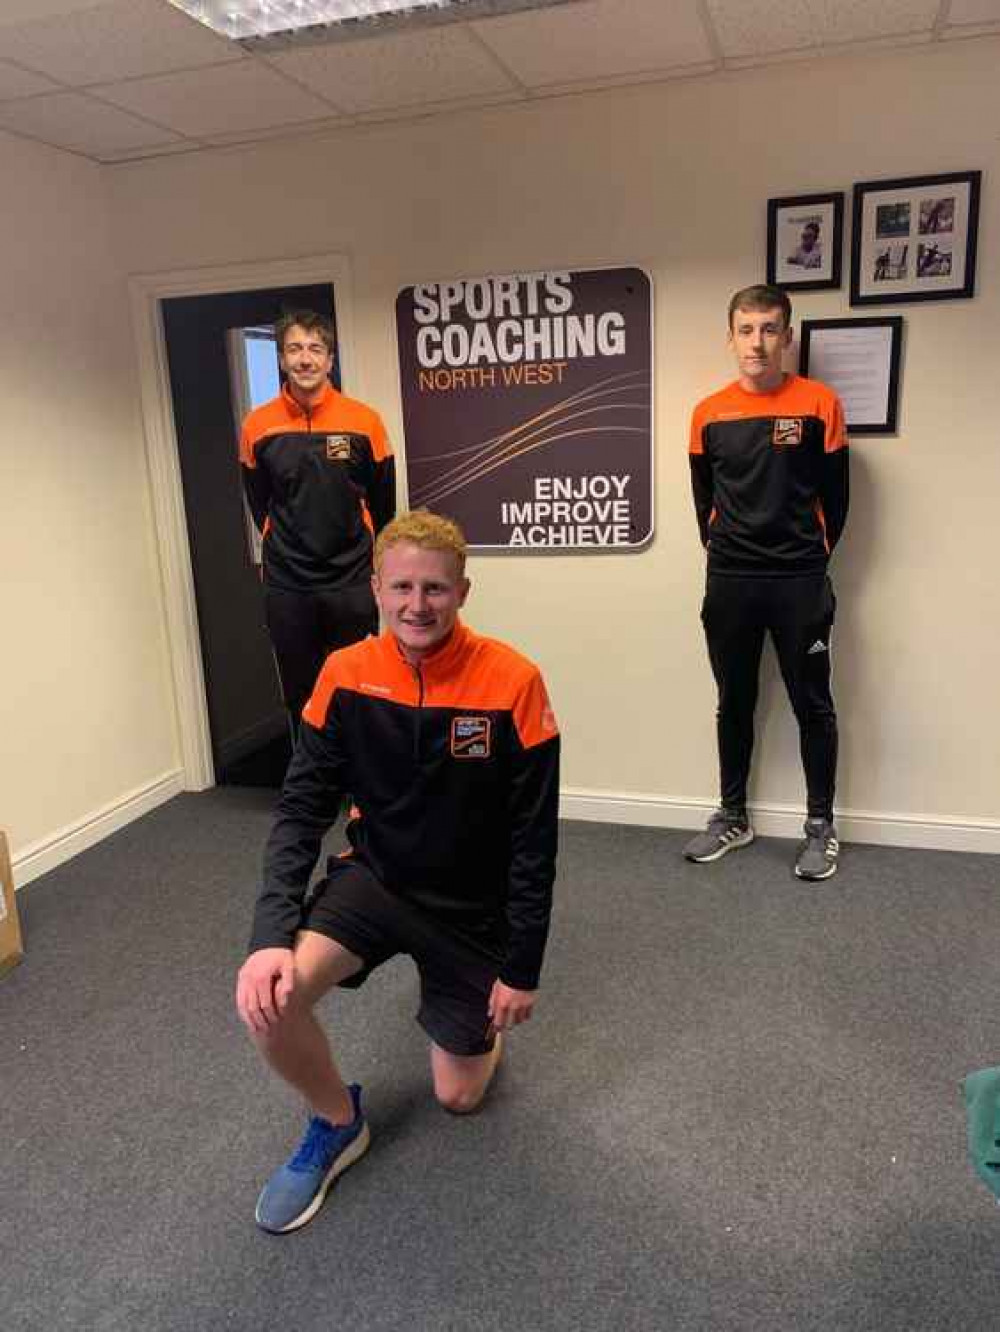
<point x="295" y="1192"/>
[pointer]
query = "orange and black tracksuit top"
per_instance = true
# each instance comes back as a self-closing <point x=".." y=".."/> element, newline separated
<point x="321" y="484"/>
<point x="769" y="473"/>
<point x="454" y="769"/>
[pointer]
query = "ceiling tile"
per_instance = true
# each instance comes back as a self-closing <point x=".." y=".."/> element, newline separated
<point x="758" y="27"/>
<point x="81" y="124"/>
<point x="974" y="11"/>
<point x="16" y="82"/>
<point x="21" y="11"/>
<point x="601" y="40"/>
<point x="804" y="53"/>
<point x="119" y="39"/>
<point x="229" y="98"/>
<point x="399" y="69"/>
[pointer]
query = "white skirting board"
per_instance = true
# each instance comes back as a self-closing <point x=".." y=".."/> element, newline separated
<point x="651" y="811"/>
<point x="44" y="855"/>
<point x="925" y="831"/>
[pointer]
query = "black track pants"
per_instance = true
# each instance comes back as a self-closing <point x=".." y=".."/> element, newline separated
<point x="305" y="627"/>
<point x="798" y="612"/>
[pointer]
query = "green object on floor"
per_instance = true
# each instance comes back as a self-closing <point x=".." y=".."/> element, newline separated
<point x="982" y="1111"/>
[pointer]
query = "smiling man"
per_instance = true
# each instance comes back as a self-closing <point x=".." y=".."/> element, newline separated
<point x="448" y="744"/>
<point x="770" y="480"/>
<point x="320" y="480"/>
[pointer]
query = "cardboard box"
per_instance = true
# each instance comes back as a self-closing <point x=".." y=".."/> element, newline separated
<point x="11" y="947"/>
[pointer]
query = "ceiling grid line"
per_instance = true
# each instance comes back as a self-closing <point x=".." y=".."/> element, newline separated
<point x="504" y="69"/>
<point x="263" y="60"/>
<point x="92" y="92"/>
<point x="711" y="34"/>
<point x="941" y="20"/>
<point x="143" y="78"/>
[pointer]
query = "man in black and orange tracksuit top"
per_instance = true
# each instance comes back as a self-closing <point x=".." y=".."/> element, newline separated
<point x="770" y="479"/>
<point x="448" y="744"/>
<point x="320" y="481"/>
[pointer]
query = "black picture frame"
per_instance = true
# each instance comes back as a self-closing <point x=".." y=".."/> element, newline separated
<point x="788" y="220"/>
<point x="914" y="239"/>
<point x="839" y="367"/>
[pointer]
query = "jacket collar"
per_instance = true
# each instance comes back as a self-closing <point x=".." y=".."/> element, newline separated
<point x="295" y="407"/>
<point x="444" y="661"/>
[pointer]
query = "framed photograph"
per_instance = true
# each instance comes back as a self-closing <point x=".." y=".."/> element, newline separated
<point x="915" y="239"/>
<point x="859" y="359"/>
<point x="805" y="238"/>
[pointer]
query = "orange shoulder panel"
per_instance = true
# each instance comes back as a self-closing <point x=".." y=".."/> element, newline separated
<point x="524" y="692"/>
<point x="380" y="439"/>
<point x="267" y="419"/>
<point x="811" y="397"/>
<point x="533" y="715"/>
<point x="730" y="399"/>
<point x="699" y="417"/>
<point x="372" y="659"/>
<point x="833" y="419"/>
<point x="317" y="709"/>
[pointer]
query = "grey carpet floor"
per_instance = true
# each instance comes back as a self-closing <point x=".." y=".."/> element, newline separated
<point x="737" y="1107"/>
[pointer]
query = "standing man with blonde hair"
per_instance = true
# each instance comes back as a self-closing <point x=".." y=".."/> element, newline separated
<point x="448" y="744"/>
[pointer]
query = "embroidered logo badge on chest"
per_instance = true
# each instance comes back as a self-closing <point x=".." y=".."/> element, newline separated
<point x="338" y="448"/>
<point x="787" y="431"/>
<point x="471" y="737"/>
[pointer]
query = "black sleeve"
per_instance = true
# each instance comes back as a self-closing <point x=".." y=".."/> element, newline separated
<point x="381" y="495"/>
<point x="308" y="807"/>
<point x="257" y="488"/>
<point x="703" y="491"/>
<point x="534" y="807"/>
<point x="835" y="493"/>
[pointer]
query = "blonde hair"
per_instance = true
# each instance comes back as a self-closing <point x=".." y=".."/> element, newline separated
<point x="429" y="531"/>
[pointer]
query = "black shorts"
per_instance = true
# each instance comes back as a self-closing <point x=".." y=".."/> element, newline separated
<point x="352" y="908"/>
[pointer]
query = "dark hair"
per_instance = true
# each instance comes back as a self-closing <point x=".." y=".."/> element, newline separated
<point x="761" y="297"/>
<point x="310" y="321"/>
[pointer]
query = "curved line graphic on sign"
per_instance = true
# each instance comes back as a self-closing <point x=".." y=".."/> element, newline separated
<point x="486" y="455"/>
<point x="518" y="450"/>
<point x="600" y="389"/>
<point x="526" y="436"/>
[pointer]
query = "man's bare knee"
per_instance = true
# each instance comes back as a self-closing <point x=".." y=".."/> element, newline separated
<point x="461" y="1081"/>
<point x="460" y="1100"/>
<point x="283" y="1025"/>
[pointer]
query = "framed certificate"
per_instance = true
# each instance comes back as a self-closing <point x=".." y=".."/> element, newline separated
<point x="860" y="360"/>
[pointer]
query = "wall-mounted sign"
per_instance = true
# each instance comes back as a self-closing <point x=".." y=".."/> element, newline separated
<point x="528" y="407"/>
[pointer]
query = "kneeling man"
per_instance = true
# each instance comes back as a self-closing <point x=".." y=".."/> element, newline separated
<point x="450" y="750"/>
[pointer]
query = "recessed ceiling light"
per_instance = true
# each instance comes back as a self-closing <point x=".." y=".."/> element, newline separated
<point x="277" y="23"/>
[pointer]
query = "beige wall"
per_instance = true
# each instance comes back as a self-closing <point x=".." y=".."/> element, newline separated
<point x="87" y="717"/>
<point x="672" y="177"/>
<point x="675" y="177"/>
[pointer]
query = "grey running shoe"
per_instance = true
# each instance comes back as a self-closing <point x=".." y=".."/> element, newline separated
<point x="725" y="832"/>
<point x="818" y="858"/>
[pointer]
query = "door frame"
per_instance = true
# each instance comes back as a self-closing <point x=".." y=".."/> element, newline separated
<point x="147" y="291"/>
